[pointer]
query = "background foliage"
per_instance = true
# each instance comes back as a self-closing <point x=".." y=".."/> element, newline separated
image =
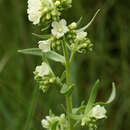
<point x="22" y="105"/>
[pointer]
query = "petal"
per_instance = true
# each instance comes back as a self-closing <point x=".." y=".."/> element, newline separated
<point x="63" y="22"/>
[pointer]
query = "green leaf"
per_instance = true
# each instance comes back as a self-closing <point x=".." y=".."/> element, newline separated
<point x="50" y="55"/>
<point x="55" y="57"/>
<point x="78" y="110"/>
<point x="67" y="90"/>
<point x="63" y="76"/>
<point x="76" y="117"/>
<point x="89" y="24"/>
<point x="113" y="94"/>
<point x="92" y="97"/>
<point x="31" y="51"/>
<point x="54" y="126"/>
<point x="79" y="21"/>
<point x="111" y="98"/>
<point x="44" y="29"/>
<point x="44" y="37"/>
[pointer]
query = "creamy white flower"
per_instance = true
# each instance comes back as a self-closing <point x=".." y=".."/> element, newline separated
<point x="98" y="112"/>
<point x="43" y="69"/>
<point x="34" y="11"/>
<point x="81" y="35"/>
<point x="59" y="28"/>
<point x="44" y="45"/>
<point x="45" y="124"/>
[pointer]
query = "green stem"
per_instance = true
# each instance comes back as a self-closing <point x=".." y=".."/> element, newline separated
<point x="68" y="81"/>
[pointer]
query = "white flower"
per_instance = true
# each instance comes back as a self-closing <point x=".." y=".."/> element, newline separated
<point x="43" y="69"/>
<point x="98" y="112"/>
<point x="81" y="35"/>
<point x="34" y="11"/>
<point x="44" y="45"/>
<point x="59" y="28"/>
<point x="45" y="123"/>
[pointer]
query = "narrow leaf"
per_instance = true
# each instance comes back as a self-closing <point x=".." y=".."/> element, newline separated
<point x="44" y="29"/>
<point x="113" y="94"/>
<point x="76" y="117"/>
<point x="44" y="37"/>
<point x="111" y="98"/>
<point x="92" y="96"/>
<point x="54" y="126"/>
<point x="89" y="24"/>
<point x="63" y="76"/>
<point x="67" y="90"/>
<point x="55" y="57"/>
<point x="31" y="51"/>
<point x="79" y="21"/>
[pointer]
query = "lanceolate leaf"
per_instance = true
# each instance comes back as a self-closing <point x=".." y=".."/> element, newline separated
<point x="31" y="51"/>
<point x="43" y="37"/>
<point x="79" y="21"/>
<point x="92" y="97"/>
<point x="54" y="126"/>
<point x="113" y="94"/>
<point x="67" y="90"/>
<point x="63" y="76"/>
<point x="89" y="24"/>
<point x="50" y="55"/>
<point x="111" y="98"/>
<point x="55" y="57"/>
<point x="44" y="29"/>
<point x="76" y="117"/>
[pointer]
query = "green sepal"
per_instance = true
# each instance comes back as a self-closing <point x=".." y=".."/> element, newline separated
<point x="67" y="90"/>
<point x="90" y="23"/>
<point x="92" y="97"/>
<point x="44" y="37"/>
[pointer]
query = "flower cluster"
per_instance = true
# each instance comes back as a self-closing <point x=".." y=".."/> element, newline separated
<point x="44" y="76"/>
<point x="77" y="40"/>
<point x="59" y="122"/>
<point x="46" y="10"/>
<point x="96" y="113"/>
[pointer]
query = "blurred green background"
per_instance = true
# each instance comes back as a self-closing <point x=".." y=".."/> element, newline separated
<point x="22" y="105"/>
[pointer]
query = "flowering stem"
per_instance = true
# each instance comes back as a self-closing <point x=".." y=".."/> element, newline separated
<point x="68" y="81"/>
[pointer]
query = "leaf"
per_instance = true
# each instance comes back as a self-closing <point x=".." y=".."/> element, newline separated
<point x="44" y="29"/>
<point x="89" y="24"/>
<point x="92" y="97"/>
<point x="44" y="37"/>
<point x="55" y="57"/>
<point x="50" y="55"/>
<point x="67" y="90"/>
<point x="76" y="117"/>
<point x="111" y="98"/>
<point x="78" y="110"/>
<point x="54" y="126"/>
<point x="31" y="51"/>
<point x="79" y="21"/>
<point x="63" y="76"/>
<point x="113" y="94"/>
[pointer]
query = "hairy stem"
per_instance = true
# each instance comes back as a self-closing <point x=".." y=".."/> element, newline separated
<point x="68" y="81"/>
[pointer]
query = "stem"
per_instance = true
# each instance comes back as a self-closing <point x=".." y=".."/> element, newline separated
<point x="68" y="81"/>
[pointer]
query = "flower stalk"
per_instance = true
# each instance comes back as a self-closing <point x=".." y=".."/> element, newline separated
<point x="68" y="81"/>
